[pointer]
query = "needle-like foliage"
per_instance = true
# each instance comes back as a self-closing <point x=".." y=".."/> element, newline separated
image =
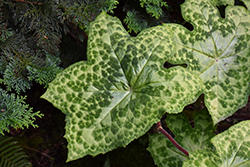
<point x="15" y="113"/>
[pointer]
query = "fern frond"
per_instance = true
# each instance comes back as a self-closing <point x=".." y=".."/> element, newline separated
<point x="15" y="113"/>
<point x="11" y="155"/>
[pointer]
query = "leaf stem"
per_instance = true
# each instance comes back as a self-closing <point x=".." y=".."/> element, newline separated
<point x="160" y="129"/>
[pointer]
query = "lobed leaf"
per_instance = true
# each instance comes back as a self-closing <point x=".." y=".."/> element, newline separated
<point x="247" y="3"/>
<point x="222" y="2"/>
<point x="166" y="154"/>
<point x="123" y="88"/>
<point x="232" y="149"/>
<point x="218" y="50"/>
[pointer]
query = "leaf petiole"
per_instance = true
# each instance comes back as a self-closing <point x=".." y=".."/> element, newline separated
<point x="160" y="129"/>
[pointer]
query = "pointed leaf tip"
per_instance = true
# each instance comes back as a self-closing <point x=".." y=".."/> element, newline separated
<point x="122" y="90"/>
<point x="218" y="51"/>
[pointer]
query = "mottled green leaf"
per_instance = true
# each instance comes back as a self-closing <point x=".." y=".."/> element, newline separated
<point x="165" y="154"/>
<point x="218" y="50"/>
<point x="222" y="2"/>
<point x="232" y="149"/>
<point x="247" y="3"/>
<point x="123" y="88"/>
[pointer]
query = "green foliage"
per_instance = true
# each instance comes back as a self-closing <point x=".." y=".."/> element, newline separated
<point x="153" y="7"/>
<point x="29" y="48"/>
<point x="40" y="24"/>
<point x="11" y="154"/>
<point x="247" y="3"/>
<point x="192" y="139"/>
<point x="19" y="72"/>
<point x="222" y="2"/>
<point x="111" y="4"/>
<point x="121" y="90"/>
<point x="232" y="149"/>
<point x="45" y="74"/>
<point x="16" y="55"/>
<point x="15" y="113"/>
<point x="134" y="23"/>
<point x="218" y="51"/>
<point x="137" y="19"/>
<point x="30" y="34"/>
<point x="31" y="45"/>
<point x="82" y="12"/>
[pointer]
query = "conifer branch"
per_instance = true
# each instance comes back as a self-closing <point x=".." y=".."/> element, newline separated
<point x="15" y="113"/>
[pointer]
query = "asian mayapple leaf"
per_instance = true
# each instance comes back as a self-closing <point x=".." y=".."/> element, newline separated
<point x="165" y="154"/>
<point x="232" y="149"/>
<point x="247" y="3"/>
<point x="122" y="90"/>
<point x="218" y="50"/>
<point x="222" y="2"/>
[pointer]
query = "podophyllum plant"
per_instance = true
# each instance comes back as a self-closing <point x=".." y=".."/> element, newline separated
<point x="123" y="89"/>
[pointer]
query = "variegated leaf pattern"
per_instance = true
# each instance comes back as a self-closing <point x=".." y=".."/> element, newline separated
<point x="232" y="149"/>
<point x="247" y="3"/>
<point x="122" y="90"/>
<point x="222" y="2"/>
<point x="218" y="50"/>
<point x="165" y="154"/>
